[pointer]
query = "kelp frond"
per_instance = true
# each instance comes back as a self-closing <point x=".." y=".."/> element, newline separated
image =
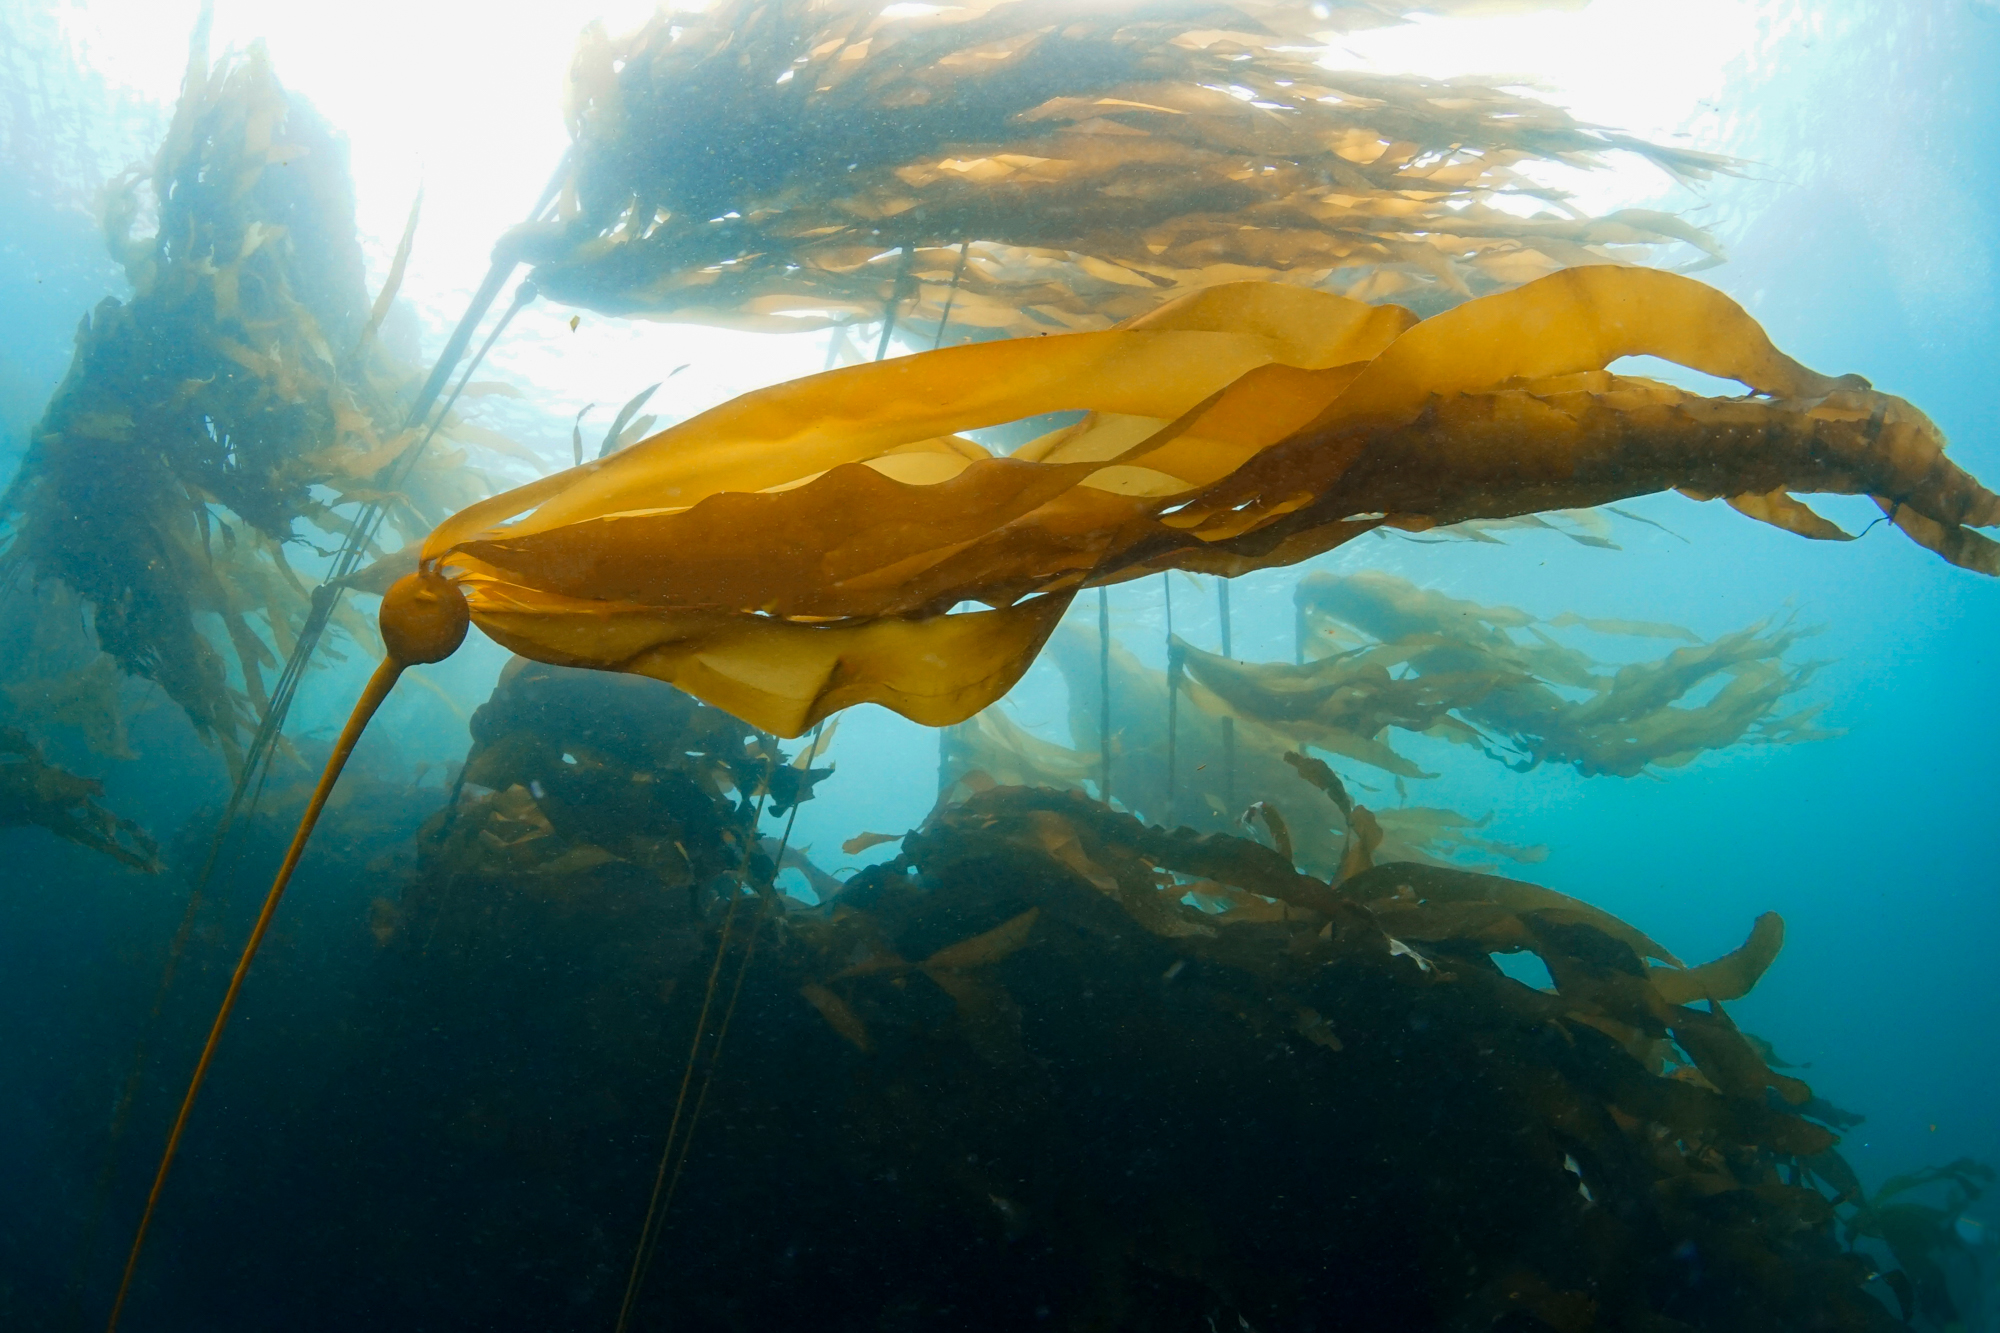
<point x="34" y="791"/>
<point x="1039" y="167"/>
<point x="1397" y="655"/>
<point x="801" y="548"/>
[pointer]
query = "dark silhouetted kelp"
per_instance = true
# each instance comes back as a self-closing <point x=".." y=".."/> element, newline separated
<point x="1016" y="1075"/>
<point x="34" y="791"/>
<point x="1923" y="1238"/>
<point x="179" y="456"/>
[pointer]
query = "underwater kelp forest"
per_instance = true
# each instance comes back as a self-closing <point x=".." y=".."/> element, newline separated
<point x="1074" y="664"/>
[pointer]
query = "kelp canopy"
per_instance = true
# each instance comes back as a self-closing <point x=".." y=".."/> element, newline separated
<point x="801" y="548"/>
<point x="201" y="419"/>
<point x="1034" y="166"/>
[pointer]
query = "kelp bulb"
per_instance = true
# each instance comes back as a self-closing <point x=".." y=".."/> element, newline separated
<point x="424" y="618"/>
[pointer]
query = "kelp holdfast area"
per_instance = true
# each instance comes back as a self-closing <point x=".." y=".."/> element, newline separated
<point x="1011" y="1079"/>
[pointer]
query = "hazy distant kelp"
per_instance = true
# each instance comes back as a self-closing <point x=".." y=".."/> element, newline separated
<point x="1492" y="676"/>
<point x="64" y="130"/>
<point x="1199" y="779"/>
<point x="184" y="450"/>
<point x="1030" y="166"/>
<point x="34" y="791"/>
<point x="1925" y="1238"/>
<point x="1408" y="660"/>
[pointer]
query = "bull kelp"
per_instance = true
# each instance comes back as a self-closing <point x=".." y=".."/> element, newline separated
<point x="1019" y="167"/>
<point x="1217" y="450"/>
<point x="1238" y="428"/>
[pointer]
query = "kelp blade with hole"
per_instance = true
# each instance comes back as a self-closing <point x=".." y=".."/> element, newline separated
<point x="801" y="548"/>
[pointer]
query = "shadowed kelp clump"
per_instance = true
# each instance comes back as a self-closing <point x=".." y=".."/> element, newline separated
<point x="1474" y="1150"/>
<point x="611" y="771"/>
<point x="183" y="452"/>
<point x="34" y="791"/>
<point x="1021" y="167"/>
<point x="1016" y="1076"/>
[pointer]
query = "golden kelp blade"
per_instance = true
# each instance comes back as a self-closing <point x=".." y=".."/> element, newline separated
<point x="784" y="676"/>
<point x="800" y="549"/>
<point x="1731" y="976"/>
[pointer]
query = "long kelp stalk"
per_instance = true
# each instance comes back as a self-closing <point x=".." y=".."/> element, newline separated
<point x="423" y="619"/>
<point x="1228" y="723"/>
<point x="1104" y="684"/>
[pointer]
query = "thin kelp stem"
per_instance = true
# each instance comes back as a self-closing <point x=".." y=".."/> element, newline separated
<point x="1173" y="693"/>
<point x="368" y="522"/>
<point x="371" y="699"/>
<point x="664" y="1184"/>
<point x="964" y="252"/>
<point x="764" y="905"/>
<point x="1228" y="722"/>
<point x="896" y="292"/>
<point x="256" y="766"/>
<point x="1104" y="696"/>
<point x="423" y="619"/>
<point x="680" y="1098"/>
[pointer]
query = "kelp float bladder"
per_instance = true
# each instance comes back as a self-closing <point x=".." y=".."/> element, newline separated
<point x="801" y="549"/>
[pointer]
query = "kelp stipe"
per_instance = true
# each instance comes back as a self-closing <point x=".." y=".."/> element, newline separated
<point x="423" y="619"/>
